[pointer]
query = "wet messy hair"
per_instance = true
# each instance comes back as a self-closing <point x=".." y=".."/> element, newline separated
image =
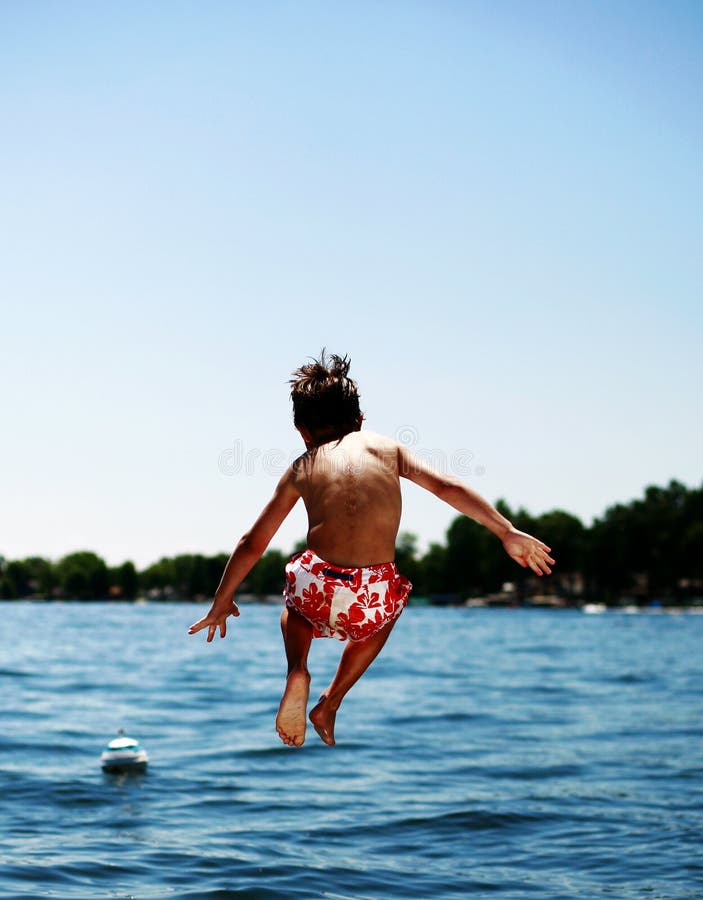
<point x="325" y="399"/>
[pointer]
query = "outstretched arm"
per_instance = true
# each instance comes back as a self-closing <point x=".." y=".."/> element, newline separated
<point x="250" y="548"/>
<point x="523" y="548"/>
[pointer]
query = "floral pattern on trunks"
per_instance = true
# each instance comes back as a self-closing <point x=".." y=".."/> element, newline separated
<point x="344" y="602"/>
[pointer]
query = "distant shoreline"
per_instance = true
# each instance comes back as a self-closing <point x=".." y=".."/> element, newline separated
<point x="471" y="603"/>
<point x="646" y="553"/>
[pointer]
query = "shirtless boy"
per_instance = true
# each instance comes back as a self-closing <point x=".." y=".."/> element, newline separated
<point x="345" y="584"/>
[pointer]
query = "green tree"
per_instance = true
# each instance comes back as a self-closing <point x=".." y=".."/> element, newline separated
<point x="567" y="536"/>
<point x="659" y="526"/>
<point x="188" y="576"/>
<point x="433" y="572"/>
<point x="158" y="575"/>
<point x="42" y="575"/>
<point x="214" y="567"/>
<point x="15" y="581"/>
<point x="608" y="555"/>
<point x="692" y="553"/>
<point x="126" y="579"/>
<point x="82" y="576"/>
<point x="267" y="575"/>
<point x="645" y="547"/>
<point x="406" y="557"/>
<point x="462" y="557"/>
<point x="476" y="560"/>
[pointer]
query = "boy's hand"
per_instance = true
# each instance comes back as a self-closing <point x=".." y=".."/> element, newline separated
<point x="528" y="551"/>
<point x="216" y="618"/>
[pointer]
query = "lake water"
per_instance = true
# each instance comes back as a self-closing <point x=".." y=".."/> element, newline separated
<point x="502" y="754"/>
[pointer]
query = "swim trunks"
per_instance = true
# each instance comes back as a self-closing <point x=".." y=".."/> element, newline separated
<point x="344" y="602"/>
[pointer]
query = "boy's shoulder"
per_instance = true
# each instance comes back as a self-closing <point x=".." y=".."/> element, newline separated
<point x="374" y="440"/>
<point x="362" y="441"/>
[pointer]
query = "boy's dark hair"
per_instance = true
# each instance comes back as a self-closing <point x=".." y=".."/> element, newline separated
<point x="325" y="399"/>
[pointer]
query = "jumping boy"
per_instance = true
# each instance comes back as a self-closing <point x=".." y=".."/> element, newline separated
<point x="345" y="584"/>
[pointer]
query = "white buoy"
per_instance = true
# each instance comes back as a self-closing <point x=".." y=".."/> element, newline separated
<point x="124" y="754"/>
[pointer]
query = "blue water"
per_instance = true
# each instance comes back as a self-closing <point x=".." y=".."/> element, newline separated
<point x="502" y="754"/>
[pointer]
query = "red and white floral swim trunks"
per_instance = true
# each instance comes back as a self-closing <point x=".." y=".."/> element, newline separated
<point x="344" y="602"/>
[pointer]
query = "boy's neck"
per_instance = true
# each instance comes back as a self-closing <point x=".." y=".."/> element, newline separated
<point x="326" y="435"/>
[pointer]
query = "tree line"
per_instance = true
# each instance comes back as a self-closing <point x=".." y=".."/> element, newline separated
<point x="648" y="549"/>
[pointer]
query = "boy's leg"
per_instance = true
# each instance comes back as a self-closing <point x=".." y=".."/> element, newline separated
<point x="297" y="636"/>
<point x="356" y="659"/>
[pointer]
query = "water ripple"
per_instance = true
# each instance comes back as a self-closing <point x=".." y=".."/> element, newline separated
<point x="486" y="753"/>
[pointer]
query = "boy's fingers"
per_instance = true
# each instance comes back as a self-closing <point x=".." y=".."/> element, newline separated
<point x="212" y="627"/>
<point x="545" y="558"/>
<point x="200" y="624"/>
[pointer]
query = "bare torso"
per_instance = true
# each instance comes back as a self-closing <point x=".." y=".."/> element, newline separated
<point x="351" y="491"/>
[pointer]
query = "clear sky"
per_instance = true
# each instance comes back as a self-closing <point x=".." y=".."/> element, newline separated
<point x="493" y="207"/>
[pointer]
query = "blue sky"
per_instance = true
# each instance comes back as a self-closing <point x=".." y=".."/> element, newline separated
<point x="492" y="207"/>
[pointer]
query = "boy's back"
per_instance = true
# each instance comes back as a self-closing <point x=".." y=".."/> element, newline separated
<point x="351" y="490"/>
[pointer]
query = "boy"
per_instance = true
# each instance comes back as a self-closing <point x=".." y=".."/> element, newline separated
<point x="345" y="585"/>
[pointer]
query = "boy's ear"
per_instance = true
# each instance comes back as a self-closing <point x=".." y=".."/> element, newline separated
<point x="359" y="421"/>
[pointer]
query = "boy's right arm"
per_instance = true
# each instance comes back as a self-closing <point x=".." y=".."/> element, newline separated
<point x="525" y="549"/>
<point x="250" y="548"/>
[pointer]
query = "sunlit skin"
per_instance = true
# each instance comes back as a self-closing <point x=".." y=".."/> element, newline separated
<point x="351" y="490"/>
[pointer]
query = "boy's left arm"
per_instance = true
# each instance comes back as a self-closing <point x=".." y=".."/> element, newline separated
<point x="250" y="548"/>
<point x="525" y="549"/>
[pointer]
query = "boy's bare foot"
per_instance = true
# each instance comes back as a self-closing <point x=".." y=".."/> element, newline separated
<point x="290" y="721"/>
<point x="322" y="717"/>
